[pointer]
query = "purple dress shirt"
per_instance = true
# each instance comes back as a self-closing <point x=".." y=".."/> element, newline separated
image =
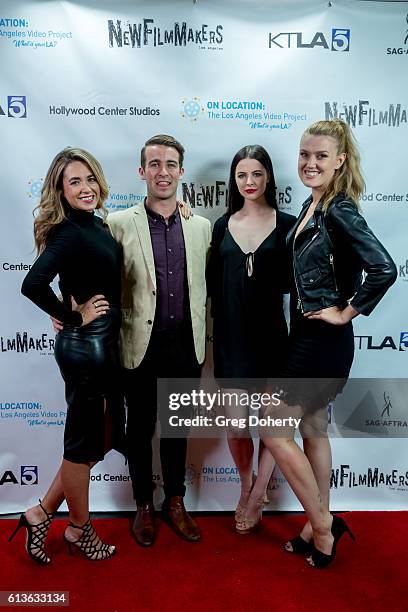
<point x="170" y="265"/>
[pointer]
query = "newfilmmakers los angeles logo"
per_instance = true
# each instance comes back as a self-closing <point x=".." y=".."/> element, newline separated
<point x="362" y="113"/>
<point x="26" y="475"/>
<point x="148" y="33"/>
<point x="372" y="478"/>
<point x="23" y="343"/>
<point x="215" y="195"/>
<point x="337" y="40"/>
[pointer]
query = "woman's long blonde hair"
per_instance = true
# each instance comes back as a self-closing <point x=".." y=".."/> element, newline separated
<point x="52" y="208"/>
<point x="348" y="178"/>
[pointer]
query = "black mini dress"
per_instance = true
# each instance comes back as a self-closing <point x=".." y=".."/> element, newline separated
<point x="88" y="261"/>
<point x="250" y="335"/>
<point x="319" y="358"/>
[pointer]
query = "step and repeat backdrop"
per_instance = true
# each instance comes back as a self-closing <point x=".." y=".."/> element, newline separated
<point x="218" y="75"/>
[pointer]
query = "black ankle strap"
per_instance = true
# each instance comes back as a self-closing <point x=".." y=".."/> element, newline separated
<point x="50" y="515"/>
<point x="82" y="527"/>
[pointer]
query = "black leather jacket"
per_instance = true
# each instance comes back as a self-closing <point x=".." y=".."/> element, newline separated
<point x="330" y="254"/>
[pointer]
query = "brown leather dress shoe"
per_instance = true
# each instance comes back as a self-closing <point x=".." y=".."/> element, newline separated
<point x="177" y="517"/>
<point x="143" y="528"/>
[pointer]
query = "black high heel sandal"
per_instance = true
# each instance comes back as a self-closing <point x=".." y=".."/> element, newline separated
<point x="299" y="546"/>
<point x="339" y="528"/>
<point x="36" y="535"/>
<point x="89" y="544"/>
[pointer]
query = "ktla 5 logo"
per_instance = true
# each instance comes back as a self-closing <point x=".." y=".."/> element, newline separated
<point x="340" y="40"/>
<point x="403" y="345"/>
<point x="16" y="107"/>
<point x="28" y="476"/>
<point x="369" y="343"/>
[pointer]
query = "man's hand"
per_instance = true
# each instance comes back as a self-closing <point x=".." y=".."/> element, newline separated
<point x="57" y="325"/>
<point x="185" y="210"/>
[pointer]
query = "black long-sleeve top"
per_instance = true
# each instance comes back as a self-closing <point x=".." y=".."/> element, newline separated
<point x="88" y="261"/>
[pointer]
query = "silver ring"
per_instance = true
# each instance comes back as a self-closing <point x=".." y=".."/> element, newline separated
<point x="96" y="305"/>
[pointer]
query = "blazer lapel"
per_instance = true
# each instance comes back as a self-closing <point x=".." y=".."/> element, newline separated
<point x="142" y="227"/>
<point x="188" y="243"/>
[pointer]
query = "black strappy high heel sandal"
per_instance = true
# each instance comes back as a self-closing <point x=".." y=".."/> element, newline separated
<point x="89" y="544"/>
<point x="299" y="546"/>
<point x="36" y="535"/>
<point x="339" y="528"/>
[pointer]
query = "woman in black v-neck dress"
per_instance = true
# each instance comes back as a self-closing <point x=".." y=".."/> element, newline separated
<point x="75" y="243"/>
<point x="247" y="276"/>
<point x="250" y="335"/>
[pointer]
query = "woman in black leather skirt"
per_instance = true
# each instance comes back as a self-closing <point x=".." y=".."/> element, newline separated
<point x="74" y="242"/>
<point x="331" y="245"/>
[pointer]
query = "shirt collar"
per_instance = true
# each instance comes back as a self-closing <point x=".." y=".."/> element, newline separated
<point x="158" y="217"/>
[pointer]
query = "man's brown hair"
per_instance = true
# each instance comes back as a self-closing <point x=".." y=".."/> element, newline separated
<point x="167" y="141"/>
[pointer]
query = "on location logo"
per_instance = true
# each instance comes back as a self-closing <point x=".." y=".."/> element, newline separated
<point x="191" y="108"/>
<point x="35" y="187"/>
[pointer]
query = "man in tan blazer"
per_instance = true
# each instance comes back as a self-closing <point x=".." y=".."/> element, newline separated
<point x="163" y="326"/>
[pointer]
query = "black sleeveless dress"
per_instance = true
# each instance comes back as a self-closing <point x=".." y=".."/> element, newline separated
<point x="250" y="335"/>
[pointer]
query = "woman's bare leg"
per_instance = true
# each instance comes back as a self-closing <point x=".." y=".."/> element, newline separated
<point x="56" y="494"/>
<point x="316" y="446"/>
<point x="241" y="446"/>
<point x="298" y="471"/>
<point x="50" y="502"/>
<point x="266" y="465"/>
<point x="52" y="499"/>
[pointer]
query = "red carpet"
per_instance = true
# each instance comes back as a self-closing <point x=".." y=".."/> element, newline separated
<point x="224" y="572"/>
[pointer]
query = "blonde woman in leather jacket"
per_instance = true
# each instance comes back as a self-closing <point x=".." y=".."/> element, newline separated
<point x="331" y="246"/>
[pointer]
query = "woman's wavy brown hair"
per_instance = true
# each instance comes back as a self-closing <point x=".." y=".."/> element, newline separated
<point x="348" y="178"/>
<point x="52" y="208"/>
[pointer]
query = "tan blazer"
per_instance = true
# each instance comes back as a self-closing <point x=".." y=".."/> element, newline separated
<point x="131" y="229"/>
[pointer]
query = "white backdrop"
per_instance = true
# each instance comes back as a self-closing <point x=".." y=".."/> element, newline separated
<point x="105" y="76"/>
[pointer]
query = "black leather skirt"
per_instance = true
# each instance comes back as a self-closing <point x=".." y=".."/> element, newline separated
<point x="88" y="360"/>
<point x="319" y="360"/>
